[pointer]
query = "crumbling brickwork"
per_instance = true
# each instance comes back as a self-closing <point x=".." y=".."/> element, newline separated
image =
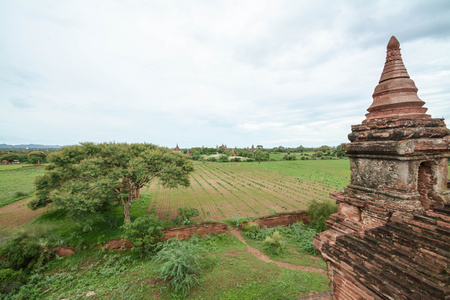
<point x="398" y="161"/>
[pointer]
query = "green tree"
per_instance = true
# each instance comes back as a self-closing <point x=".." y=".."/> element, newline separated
<point x="10" y="156"/>
<point x="90" y="177"/>
<point x="36" y="156"/>
<point x="259" y="150"/>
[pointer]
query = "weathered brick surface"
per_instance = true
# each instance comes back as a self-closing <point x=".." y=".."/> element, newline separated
<point x="202" y="229"/>
<point x="394" y="261"/>
<point x="283" y="219"/>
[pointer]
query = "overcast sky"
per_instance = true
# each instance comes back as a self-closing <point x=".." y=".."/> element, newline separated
<point x="209" y="72"/>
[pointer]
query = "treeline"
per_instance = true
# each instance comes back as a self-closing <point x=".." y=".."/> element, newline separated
<point x="31" y="156"/>
<point x="263" y="154"/>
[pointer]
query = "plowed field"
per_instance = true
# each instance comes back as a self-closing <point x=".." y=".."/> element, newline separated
<point x="226" y="190"/>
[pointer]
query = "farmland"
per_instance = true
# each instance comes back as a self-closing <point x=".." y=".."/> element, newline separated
<point x="226" y="190"/>
<point x="16" y="182"/>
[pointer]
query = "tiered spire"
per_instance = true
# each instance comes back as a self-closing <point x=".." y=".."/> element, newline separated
<point x="395" y="96"/>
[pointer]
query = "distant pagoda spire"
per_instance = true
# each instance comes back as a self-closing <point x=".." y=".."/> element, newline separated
<point x="395" y="96"/>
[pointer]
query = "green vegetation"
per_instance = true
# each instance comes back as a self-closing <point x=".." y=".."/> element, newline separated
<point x="223" y="270"/>
<point x="297" y="235"/>
<point x="226" y="190"/>
<point x="213" y="267"/>
<point x="320" y="212"/>
<point x="144" y="233"/>
<point x="185" y="215"/>
<point x="274" y="244"/>
<point x="89" y="178"/>
<point x="16" y="182"/>
<point x="180" y="263"/>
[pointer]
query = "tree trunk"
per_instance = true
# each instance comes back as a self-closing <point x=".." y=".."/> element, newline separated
<point x="127" y="206"/>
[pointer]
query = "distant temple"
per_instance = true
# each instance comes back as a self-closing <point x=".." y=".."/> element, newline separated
<point x="177" y="149"/>
<point x="391" y="236"/>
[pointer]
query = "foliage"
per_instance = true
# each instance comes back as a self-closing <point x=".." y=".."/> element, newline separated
<point x="223" y="158"/>
<point x="185" y="215"/>
<point x="36" y="156"/>
<point x="250" y="227"/>
<point x="236" y="221"/>
<point x="290" y="157"/>
<point x="22" y="251"/>
<point x="10" y="279"/>
<point x="90" y="177"/>
<point x="298" y="234"/>
<point x="305" y="240"/>
<point x="320" y="212"/>
<point x="143" y="233"/>
<point x="274" y="244"/>
<point x="180" y="263"/>
<point x="11" y="156"/>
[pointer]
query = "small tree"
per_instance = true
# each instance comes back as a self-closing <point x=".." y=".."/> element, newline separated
<point x="90" y="177"/>
<point x="36" y="156"/>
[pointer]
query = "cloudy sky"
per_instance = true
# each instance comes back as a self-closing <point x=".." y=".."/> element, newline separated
<point x="209" y="72"/>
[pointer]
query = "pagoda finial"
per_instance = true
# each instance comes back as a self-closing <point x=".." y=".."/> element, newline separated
<point x="395" y="96"/>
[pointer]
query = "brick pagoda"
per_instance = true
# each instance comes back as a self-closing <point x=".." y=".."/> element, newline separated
<point x="396" y="205"/>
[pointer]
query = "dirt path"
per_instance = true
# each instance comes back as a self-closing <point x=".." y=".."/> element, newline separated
<point x="265" y="258"/>
<point x="18" y="213"/>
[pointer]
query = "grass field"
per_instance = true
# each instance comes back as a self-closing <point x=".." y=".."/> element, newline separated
<point x="16" y="182"/>
<point x="226" y="190"/>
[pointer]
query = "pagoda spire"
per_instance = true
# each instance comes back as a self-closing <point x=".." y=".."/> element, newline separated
<point x="395" y="96"/>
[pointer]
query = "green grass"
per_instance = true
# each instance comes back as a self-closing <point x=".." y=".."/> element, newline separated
<point x="16" y="182"/>
<point x="105" y="226"/>
<point x="229" y="272"/>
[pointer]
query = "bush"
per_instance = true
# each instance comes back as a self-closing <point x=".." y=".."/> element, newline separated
<point x="10" y="280"/>
<point x="143" y="233"/>
<point x="236" y="221"/>
<point x="185" y="215"/>
<point x="211" y="159"/>
<point x="250" y="160"/>
<point x="223" y="158"/>
<point x="236" y="159"/>
<point x="250" y="227"/>
<point x="320" y="212"/>
<point x="290" y="157"/>
<point x="25" y="252"/>
<point x="274" y="244"/>
<point x="180" y="263"/>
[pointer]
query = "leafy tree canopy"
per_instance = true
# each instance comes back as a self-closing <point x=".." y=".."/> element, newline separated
<point x="90" y="177"/>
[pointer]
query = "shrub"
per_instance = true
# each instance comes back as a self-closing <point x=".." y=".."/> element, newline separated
<point x="236" y="221"/>
<point x="250" y="227"/>
<point x="180" y="263"/>
<point x="320" y="212"/>
<point x="290" y="157"/>
<point x="250" y="160"/>
<point x="236" y="159"/>
<point x="10" y="280"/>
<point x="223" y="158"/>
<point x="143" y="233"/>
<point x="274" y="244"/>
<point x="25" y="252"/>
<point x="185" y="215"/>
